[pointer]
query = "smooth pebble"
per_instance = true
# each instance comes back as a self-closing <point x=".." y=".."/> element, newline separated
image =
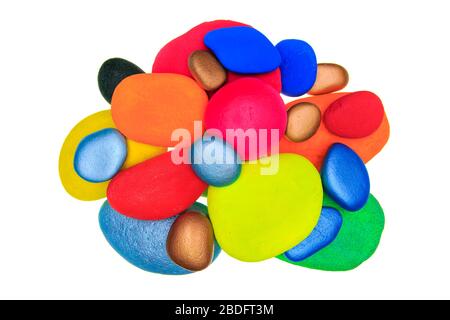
<point x="100" y="155"/>
<point x="248" y="104"/>
<point x="324" y="233"/>
<point x="243" y="50"/>
<point x="148" y="108"/>
<point x="155" y="189"/>
<point x="345" y="177"/>
<point x="331" y="77"/>
<point x="273" y="206"/>
<point x="112" y="72"/>
<point x="215" y="161"/>
<point x="298" y="67"/>
<point x="356" y="115"/>
<point x="303" y="121"/>
<point x="206" y="70"/>
<point x="190" y="243"/>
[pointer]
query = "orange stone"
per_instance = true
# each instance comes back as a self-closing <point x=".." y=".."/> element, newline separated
<point x="147" y="108"/>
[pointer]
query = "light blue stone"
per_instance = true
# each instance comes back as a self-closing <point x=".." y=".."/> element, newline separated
<point x="243" y="50"/>
<point x="298" y="67"/>
<point x="345" y="178"/>
<point x="100" y="156"/>
<point x="143" y="242"/>
<point x="215" y="162"/>
<point x="327" y="229"/>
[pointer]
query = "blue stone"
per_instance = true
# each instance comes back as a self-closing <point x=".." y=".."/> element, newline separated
<point x="143" y="242"/>
<point x="100" y="155"/>
<point x="298" y="67"/>
<point x="215" y="162"/>
<point x="327" y="229"/>
<point x="243" y="50"/>
<point x="345" y="178"/>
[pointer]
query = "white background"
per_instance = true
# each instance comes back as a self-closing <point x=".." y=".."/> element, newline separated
<point x="51" y="245"/>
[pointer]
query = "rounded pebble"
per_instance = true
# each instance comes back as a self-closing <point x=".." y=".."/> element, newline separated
<point x="190" y="243"/>
<point x="215" y="161"/>
<point x="100" y="155"/>
<point x="155" y="189"/>
<point x="303" y="121"/>
<point x="112" y="72"/>
<point x="345" y="178"/>
<point x="272" y="78"/>
<point x="248" y="104"/>
<point x="331" y="77"/>
<point x="76" y="186"/>
<point x="324" y="233"/>
<point x="147" y="108"/>
<point x="316" y="147"/>
<point x="243" y="50"/>
<point x="206" y="70"/>
<point x="273" y="206"/>
<point x="142" y="243"/>
<point x="298" y="67"/>
<point x="356" y="242"/>
<point x="356" y="115"/>
<point x="174" y="56"/>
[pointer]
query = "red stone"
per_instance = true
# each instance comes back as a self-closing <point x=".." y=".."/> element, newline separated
<point x="248" y="103"/>
<point x="356" y="115"/>
<point x="273" y="78"/>
<point x="155" y="189"/>
<point x="174" y="56"/>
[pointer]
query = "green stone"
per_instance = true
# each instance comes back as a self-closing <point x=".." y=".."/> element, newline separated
<point x="356" y="242"/>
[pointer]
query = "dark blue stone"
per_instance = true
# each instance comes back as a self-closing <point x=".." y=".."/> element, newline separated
<point x="345" y="178"/>
<point x="143" y="242"/>
<point x="324" y="233"/>
<point x="100" y="155"/>
<point x="215" y="161"/>
<point x="298" y="67"/>
<point x="243" y="50"/>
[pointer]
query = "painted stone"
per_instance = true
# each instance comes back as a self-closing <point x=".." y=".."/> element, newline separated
<point x="100" y="155"/>
<point x="215" y="162"/>
<point x="303" y="121"/>
<point x="324" y="233"/>
<point x="356" y="115"/>
<point x="273" y="206"/>
<point x="143" y="243"/>
<point x="206" y="70"/>
<point x="112" y="72"/>
<point x="155" y="189"/>
<point x="298" y="67"/>
<point x="345" y="177"/>
<point x="331" y="77"/>
<point x="248" y="106"/>
<point x="243" y="50"/>
<point x="147" y="108"/>
<point x="190" y="243"/>
<point x="355" y="243"/>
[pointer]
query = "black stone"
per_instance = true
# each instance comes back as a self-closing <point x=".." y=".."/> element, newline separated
<point x="112" y="72"/>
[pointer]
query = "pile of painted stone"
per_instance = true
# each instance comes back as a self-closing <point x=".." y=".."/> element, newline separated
<point x="264" y="201"/>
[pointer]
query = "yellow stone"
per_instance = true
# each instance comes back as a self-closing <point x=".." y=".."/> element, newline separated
<point x="74" y="184"/>
<point x="266" y="211"/>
